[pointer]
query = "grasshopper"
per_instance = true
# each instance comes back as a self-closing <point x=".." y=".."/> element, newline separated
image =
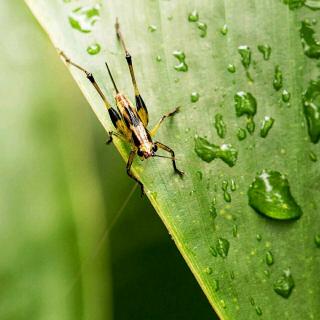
<point x="131" y="122"/>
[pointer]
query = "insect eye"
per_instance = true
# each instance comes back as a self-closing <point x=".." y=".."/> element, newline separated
<point x="155" y="148"/>
<point x="140" y="153"/>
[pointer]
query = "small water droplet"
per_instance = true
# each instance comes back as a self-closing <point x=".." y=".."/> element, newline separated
<point x="208" y="152"/>
<point x="193" y="16"/>
<point x="213" y="251"/>
<point x="194" y="97"/>
<point x="233" y="185"/>
<point x="158" y="58"/>
<point x="278" y="78"/>
<point x="224" y="185"/>
<point x="215" y="285"/>
<point x="182" y="66"/>
<point x="84" y="18"/>
<point x="152" y="28"/>
<point x="208" y="270"/>
<point x="226" y="196"/>
<point x="252" y="302"/>
<point x="224" y="30"/>
<point x="265" y="49"/>
<point x="311" y="46"/>
<point x="235" y="230"/>
<point x="231" y="275"/>
<point x="223" y="304"/>
<point x="284" y="285"/>
<point x="286" y="96"/>
<point x="311" y="108"/>
<point x="266" y="273"/>
<point x="250" y="125"/>
<point x="241" y="134"/>
<point x="245" y="103"/>
<point x="222" y="247"/>
<point x="94" y="49"/>
<point x="213" y="210"/>
<point x="220" y="125"/>
<point x="231" y="68"/>
<point x="317" y="240"/>
<point x="245" y="53"/>
<point x="203" y="29"/>
<point x="258" y="311"/>
<point x="199" y="175"/>
<point x="269" y="258"/>
<point x="270" y="195"/>
<point x="259" y="237"/>
<point x="266" y="126"/>
<point x="313" y="157"/>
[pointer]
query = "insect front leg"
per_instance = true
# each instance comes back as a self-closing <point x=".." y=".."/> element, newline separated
<point x="132" y="154"/>
<point x="154" y="130"/>
<point x="116" y="134"/>
<point x="166" y="148"/>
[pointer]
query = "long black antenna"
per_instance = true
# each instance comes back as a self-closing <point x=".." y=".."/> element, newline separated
<point x="111" y="77"/>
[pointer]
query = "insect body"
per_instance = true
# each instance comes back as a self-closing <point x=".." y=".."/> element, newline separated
<point x="131" y="122"/>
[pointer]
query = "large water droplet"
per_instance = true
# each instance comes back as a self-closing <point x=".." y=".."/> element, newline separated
<point x="269" y="258"/>
<point x="270" y="195"/>
<point x="193" y="16"/>
<point x="311" y="107"/>
<point x="245" y="103"/>
<point x="265" y="49"/>
<point x="278" y="78"/>
<point x="245" y="53"/>
<point x="250" y="125"/>
<point x="284" y="285"/>
<point x="220" y="125"/>
<point x="84" y="18"/>
<point x="311" y="46"/>
<point x="286" y="96"/>
<point x="226" y="196"/>
<point x="258" y="237"/>
<point x="266" y="125"/>
<point x="241" y="134"/>
<point x="94" y="49"/>
<point x="208" y="152"/>
<point x="182" y="66"/>
<point x="231" y="68"/>
<point x="222" y="247"/>
<point x="203" y="29"/>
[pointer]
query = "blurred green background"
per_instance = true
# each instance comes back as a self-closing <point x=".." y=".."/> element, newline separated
<point x="60" y="188"/>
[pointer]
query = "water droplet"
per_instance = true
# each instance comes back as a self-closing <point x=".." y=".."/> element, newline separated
<point x="317" y="240"/>
<point x="245" y="103"/>
<point x="193" y="16"/>
<point x="258" y="311"/>
<point x="158" y="58"/>
<point x="266" y="273"/>
<point x="223" y="304"/>
<point x="245" y="53"/>
<point x="224" y="185"/>
<point x="252" y="302"/>
<point x="94" y="49"/>
<point x="311" y="46"/>
<point x="269" y="258"/>
<point x="250" y="125"/>
<point x="182" y="66"/>
<point x="278" y="78"/>
<point x="208" y="152"/>
<point x="241" y="134"/>
<point x="265" y="49"/>
<point x="194" y="97"/>
<point x="231" y="68"/>
<point x="227" y="196"/>
<point x="84" y="18"/>
<point x="213" y="251"/>
<point x="286" y="96"/>
<point x="270" y="195"/>
<point x="313" y="4"/>
<point x="259" y="237"/>
<point x="199" y="175"/>
<point x="231" y="275"/>
<point x="312" y="156"/>
<point x="222" y="247"/>
<point x="208" y="270"/>
<point x="233" y="185"/>
<point x="220" y="125"/>
<point x="152" y="28"/>
<point x="213" y="210"/>
<point x="266" y="125"/>
<point x="284" y="285"/>
<point x="224" y="30"/>
<point x="203" y="29"/>
<point x="294" y="4"/>
<point x="311" y="107"/>
<point x="215" y="285"/>
<point x="235" y="230"/>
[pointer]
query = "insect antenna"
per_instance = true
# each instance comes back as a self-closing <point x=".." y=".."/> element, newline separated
<point x="156" y="155"/>
<point x="111" y="77"/>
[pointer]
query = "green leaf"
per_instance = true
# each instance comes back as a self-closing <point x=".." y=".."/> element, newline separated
<point x="179" y="57"/>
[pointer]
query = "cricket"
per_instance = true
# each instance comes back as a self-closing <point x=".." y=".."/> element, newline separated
<point x="131" y="121"/>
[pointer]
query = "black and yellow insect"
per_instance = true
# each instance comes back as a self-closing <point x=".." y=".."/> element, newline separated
<point x="131" y="122"/>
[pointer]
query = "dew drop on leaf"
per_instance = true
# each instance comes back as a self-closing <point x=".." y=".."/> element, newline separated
<point x="193" y="16"/>
<point x="311" y="46"/>
<point x="294" y="4"/>
<point x="278" y="78"/>
<point x="245" y="103"/>
<point x="94" y="49"/>
<point x="269" y="258"/>
<point x="259" y="237"/>
<point x="152" y="28"/>
<point x="250" y="125"/>
<point x="241" y="134"/>
<point x="194" y="97"/>
<point x="182" y="66"/>
<point x="220" y="125"/>
<point x="224" y="30"/>
<point x="313" y="157"/>
<point x="84" y="18"/>
<point x="215" y="284"/>
<point x="258" y="311"/>
<point x="266" y="126"/>
<point x="222" y="247"/>
<point x="231" y="68"/>
<point x="265" y="49"/>
<point x="203" y="29"/>
<point x="286" y="95"/>
<point x="284" y="285"/>
<point x="245" y="53"/>
<point x="313" y="4"/>
<point x="317" y="240"/>
<point x="270" y="195"/>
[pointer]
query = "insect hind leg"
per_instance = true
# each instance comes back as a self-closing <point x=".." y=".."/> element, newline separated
<point x="154" y="130"/>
